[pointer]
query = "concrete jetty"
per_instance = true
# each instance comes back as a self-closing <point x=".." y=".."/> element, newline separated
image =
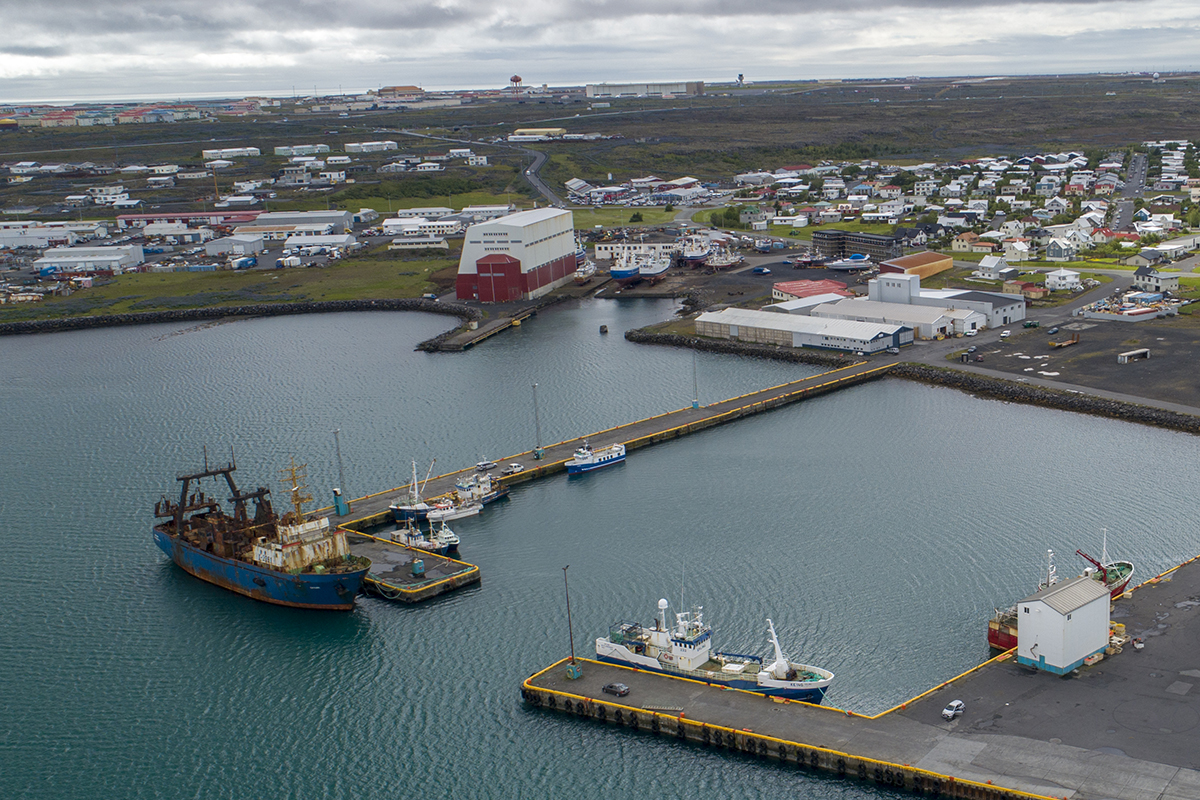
<point x="373" y="509"/>
<point x="1126" y="728"/>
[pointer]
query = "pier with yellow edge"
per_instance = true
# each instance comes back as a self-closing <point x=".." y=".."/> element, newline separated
<point x="373" y="509"/>
<point x="1126" y="728"/>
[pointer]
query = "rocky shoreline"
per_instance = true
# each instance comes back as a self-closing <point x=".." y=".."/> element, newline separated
<point x="258" y="310"/>
<point x="979" y="385"/>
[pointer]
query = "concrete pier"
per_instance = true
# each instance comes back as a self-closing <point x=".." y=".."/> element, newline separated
<point x="372" y="509"/>
<point x="391" y="576"/>
<point x="1127" y="728"/>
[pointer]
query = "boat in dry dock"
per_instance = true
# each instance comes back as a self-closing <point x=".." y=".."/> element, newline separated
<point x="287" y="560"/>
<point x="685" y="650"/>
<point x="585" y="272"/>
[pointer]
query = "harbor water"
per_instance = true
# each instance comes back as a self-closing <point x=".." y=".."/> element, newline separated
<point x="877" y="526"/>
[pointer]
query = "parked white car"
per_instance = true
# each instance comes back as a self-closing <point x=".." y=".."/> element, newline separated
<point x="955" y="709"/>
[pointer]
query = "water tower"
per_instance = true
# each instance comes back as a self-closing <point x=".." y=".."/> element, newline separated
<point x="515" y="80"/>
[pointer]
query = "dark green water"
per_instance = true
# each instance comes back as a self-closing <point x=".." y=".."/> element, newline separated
<point x="877" y="527"/>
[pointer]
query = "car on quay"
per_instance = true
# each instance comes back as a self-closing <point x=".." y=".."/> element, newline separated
<point x="618" y="689"/>
<point x="955" y="709"/>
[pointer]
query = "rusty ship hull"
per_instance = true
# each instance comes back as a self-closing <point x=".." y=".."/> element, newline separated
<point x="332" y="591"/>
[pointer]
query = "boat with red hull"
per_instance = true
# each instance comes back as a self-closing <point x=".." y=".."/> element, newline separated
<point x="1115" y="575"/>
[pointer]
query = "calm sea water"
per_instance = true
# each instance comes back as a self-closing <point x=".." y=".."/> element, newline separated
<point x="877" y="527"/>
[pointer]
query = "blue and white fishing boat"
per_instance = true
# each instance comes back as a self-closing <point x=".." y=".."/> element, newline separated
<point x="625" y="269"/>
<point x="415" y="509"/>
<point x="587" y="459"/>
<point x="685" y="650"/>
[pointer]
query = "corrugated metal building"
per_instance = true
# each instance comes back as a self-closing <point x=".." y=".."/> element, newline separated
<point x="789" y="330"/>
<point x="927" y="321"/>
<point x="518" y="257"/>
<point x="1060" y="626"/>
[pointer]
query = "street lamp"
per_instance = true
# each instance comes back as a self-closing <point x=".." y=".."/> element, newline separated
<point x="573" y="670"/>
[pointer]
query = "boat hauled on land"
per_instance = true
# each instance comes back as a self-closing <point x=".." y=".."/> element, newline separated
<point x="685" y="650"/>
<point x="587" y="459"/>
<point x="287" y="560"/>
<point x="585" y="272"/>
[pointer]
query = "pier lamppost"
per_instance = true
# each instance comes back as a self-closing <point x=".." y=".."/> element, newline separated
<point x="573" y="670"/>
<point x="538" y="450"/>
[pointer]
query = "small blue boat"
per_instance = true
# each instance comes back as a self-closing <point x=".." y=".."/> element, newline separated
<point x="587" y="459"/>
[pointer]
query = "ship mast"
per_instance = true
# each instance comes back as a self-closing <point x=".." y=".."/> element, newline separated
<point x="293" y="477"/>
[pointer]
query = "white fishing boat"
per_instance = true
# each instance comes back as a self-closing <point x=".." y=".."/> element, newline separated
<point x="696" y="250"/>
<point x="653" y="268"/>
<point x="724" y="258"/>
<point x="685" y="650"/>
<point x="587" y="459"/>
<point x="585" y="272"/>
<point x="445" y="511"/>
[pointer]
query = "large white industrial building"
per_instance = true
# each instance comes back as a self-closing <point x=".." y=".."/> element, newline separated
<point x="1060" y="626"/>
<point x="790" y="330"/>
<point x="998" y="309"/>
<point x="342" y="221"/>
<point x="231" y="152"/>
<point x="928" y="322"/>
<point x="518" y="257"/>
<point x="115" y="259"/>
<point x="643" y="89"/>
<point x="370" y="147"/>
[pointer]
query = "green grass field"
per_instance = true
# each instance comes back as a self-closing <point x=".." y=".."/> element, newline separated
<point x="588" y="217"/>
<point x="371" y="277"/>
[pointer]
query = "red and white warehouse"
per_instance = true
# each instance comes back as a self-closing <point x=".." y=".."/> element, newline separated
<point x="518" y="257"/>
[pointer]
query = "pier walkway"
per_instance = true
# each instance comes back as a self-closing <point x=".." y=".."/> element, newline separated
<point x="1127" y="728"/>
<point x="663" y="427"/>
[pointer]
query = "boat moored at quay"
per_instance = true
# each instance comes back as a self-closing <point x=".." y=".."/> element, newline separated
<point x="685" y="650"/>
<point x="288" y="561"/>
<point x="587" y="459"/>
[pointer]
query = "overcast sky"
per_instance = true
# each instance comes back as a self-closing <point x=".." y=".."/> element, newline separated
<point x="99" y="49"/>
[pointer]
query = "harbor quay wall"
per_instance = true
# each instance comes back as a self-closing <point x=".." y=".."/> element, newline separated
<point x="673" y="724"/>
<point x="255" y="310"/>
<point x="424" y="591"/>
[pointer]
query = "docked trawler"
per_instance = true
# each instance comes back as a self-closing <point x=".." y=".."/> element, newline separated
<point x="686" y="651"/>
<point x="288" y="560"/>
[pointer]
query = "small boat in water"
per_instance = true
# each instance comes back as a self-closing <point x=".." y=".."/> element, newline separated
<point x="483" y="489"/>
<point x="1113" y="574"/>
<point x="685" y="650"/>
<point x="587" y="459"/>
<point x="416" y="508"/>
<point x="440" y="540"/>
<point x="445" y="510"/>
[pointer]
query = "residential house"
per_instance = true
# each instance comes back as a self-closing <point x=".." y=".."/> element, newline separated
<point x="1149" y="279"/>
<point x="964" y="242"/>
<point x="1062" y="279"/>
<point x="1060" y="250"/>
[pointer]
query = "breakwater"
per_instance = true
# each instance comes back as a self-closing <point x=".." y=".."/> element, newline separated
<point x="1014" y="392"/>
<point x="817" y="357"/>
<point x="255" y="310"/>
<point x="980" y="385"/>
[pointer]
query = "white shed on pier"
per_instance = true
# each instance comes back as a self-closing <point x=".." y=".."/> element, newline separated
<point x="1060" y="626"/>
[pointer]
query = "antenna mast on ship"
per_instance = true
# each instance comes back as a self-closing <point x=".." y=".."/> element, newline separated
<point x="294" y="476"/>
